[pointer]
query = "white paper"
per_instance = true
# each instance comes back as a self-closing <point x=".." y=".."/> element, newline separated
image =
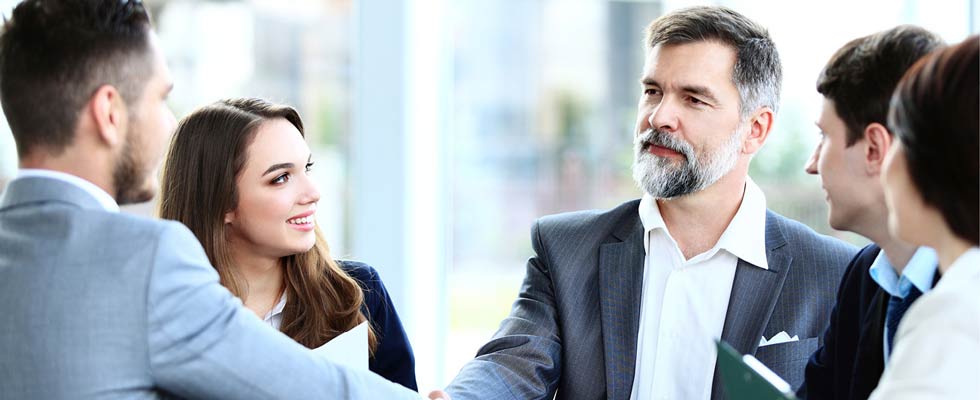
<point x="350" y="349"/>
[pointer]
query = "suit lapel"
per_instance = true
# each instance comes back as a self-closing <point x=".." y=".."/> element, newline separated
<point x="620" y="286"/>
<point x="753" y="298"/>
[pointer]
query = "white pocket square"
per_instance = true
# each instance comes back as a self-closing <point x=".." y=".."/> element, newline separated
<point x="781" y="337"/>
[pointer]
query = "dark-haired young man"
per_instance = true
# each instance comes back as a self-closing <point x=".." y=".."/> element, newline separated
<point x="887" y="276"/>
<point x="96" y="304"/>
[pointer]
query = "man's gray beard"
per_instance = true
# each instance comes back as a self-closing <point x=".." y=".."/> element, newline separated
<point x="663" y="178"/>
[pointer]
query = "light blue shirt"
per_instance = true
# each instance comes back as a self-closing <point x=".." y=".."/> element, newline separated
<point x="920" y="271"/>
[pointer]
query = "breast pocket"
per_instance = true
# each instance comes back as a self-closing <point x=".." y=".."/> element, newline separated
<point x="788" y="360"/>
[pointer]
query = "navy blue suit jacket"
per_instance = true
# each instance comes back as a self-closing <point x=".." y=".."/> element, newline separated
<point x="851" y="360"/>
<point x="393" y="359"/>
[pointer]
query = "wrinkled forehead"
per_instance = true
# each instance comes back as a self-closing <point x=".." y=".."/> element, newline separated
<point x="702" y="63"/>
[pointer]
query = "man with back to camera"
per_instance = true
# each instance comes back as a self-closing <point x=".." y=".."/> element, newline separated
<point x="887" y="276"/>
<point x="626" y="303"/>
<point x="98" y="304"/>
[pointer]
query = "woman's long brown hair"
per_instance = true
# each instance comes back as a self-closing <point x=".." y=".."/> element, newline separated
<point x="207" y="152"/>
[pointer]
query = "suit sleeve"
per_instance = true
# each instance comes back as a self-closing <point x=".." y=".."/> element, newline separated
<point x="523" y="359"/>
<point x="204" y="344"/>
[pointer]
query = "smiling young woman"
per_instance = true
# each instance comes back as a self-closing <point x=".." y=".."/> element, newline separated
<point x="237" y="176"/>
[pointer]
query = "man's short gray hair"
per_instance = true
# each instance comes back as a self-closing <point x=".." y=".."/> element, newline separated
<point x="758" y="73"/>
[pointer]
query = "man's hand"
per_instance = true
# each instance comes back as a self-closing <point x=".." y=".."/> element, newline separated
<point x="439" y="395"/>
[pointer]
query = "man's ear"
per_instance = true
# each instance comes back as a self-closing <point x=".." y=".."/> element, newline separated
<point x="108" y="110"/>
<point x="760" y="125"/>
<point x="878" y="140"/>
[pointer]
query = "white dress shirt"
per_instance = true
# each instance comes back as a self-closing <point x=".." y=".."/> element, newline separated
<point x="103" y="198"/>
<point x="937" y="347"/>
<point x="274" y="316"/>
<point x="684" y="302"/>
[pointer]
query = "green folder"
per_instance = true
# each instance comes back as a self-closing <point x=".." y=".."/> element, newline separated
<point x="746" y="378"/>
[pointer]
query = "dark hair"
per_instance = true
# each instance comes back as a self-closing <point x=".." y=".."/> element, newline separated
<point x="55" y="54"/>
<point x="758" y="73"/>
<point x="934" y="115"/>
<point x="207" y="153"/>
<point x="861" y="76"/>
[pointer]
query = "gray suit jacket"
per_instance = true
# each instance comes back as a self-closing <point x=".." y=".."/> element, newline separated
<point x="574" y="326"/>
<point x="99" y="305"/>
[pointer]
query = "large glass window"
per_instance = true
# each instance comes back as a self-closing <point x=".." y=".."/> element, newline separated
<point x="442" y="129"/>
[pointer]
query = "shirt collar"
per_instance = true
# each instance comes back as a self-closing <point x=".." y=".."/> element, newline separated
<point x="966" y="266"/>
<point x="277" y="309"/>
<point x="920" y="272"/>
<point x="745" y="236"/>
<point x="107" y="202"/>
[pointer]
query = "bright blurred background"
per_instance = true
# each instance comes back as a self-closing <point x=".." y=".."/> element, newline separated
<point x="442" y="129"/>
